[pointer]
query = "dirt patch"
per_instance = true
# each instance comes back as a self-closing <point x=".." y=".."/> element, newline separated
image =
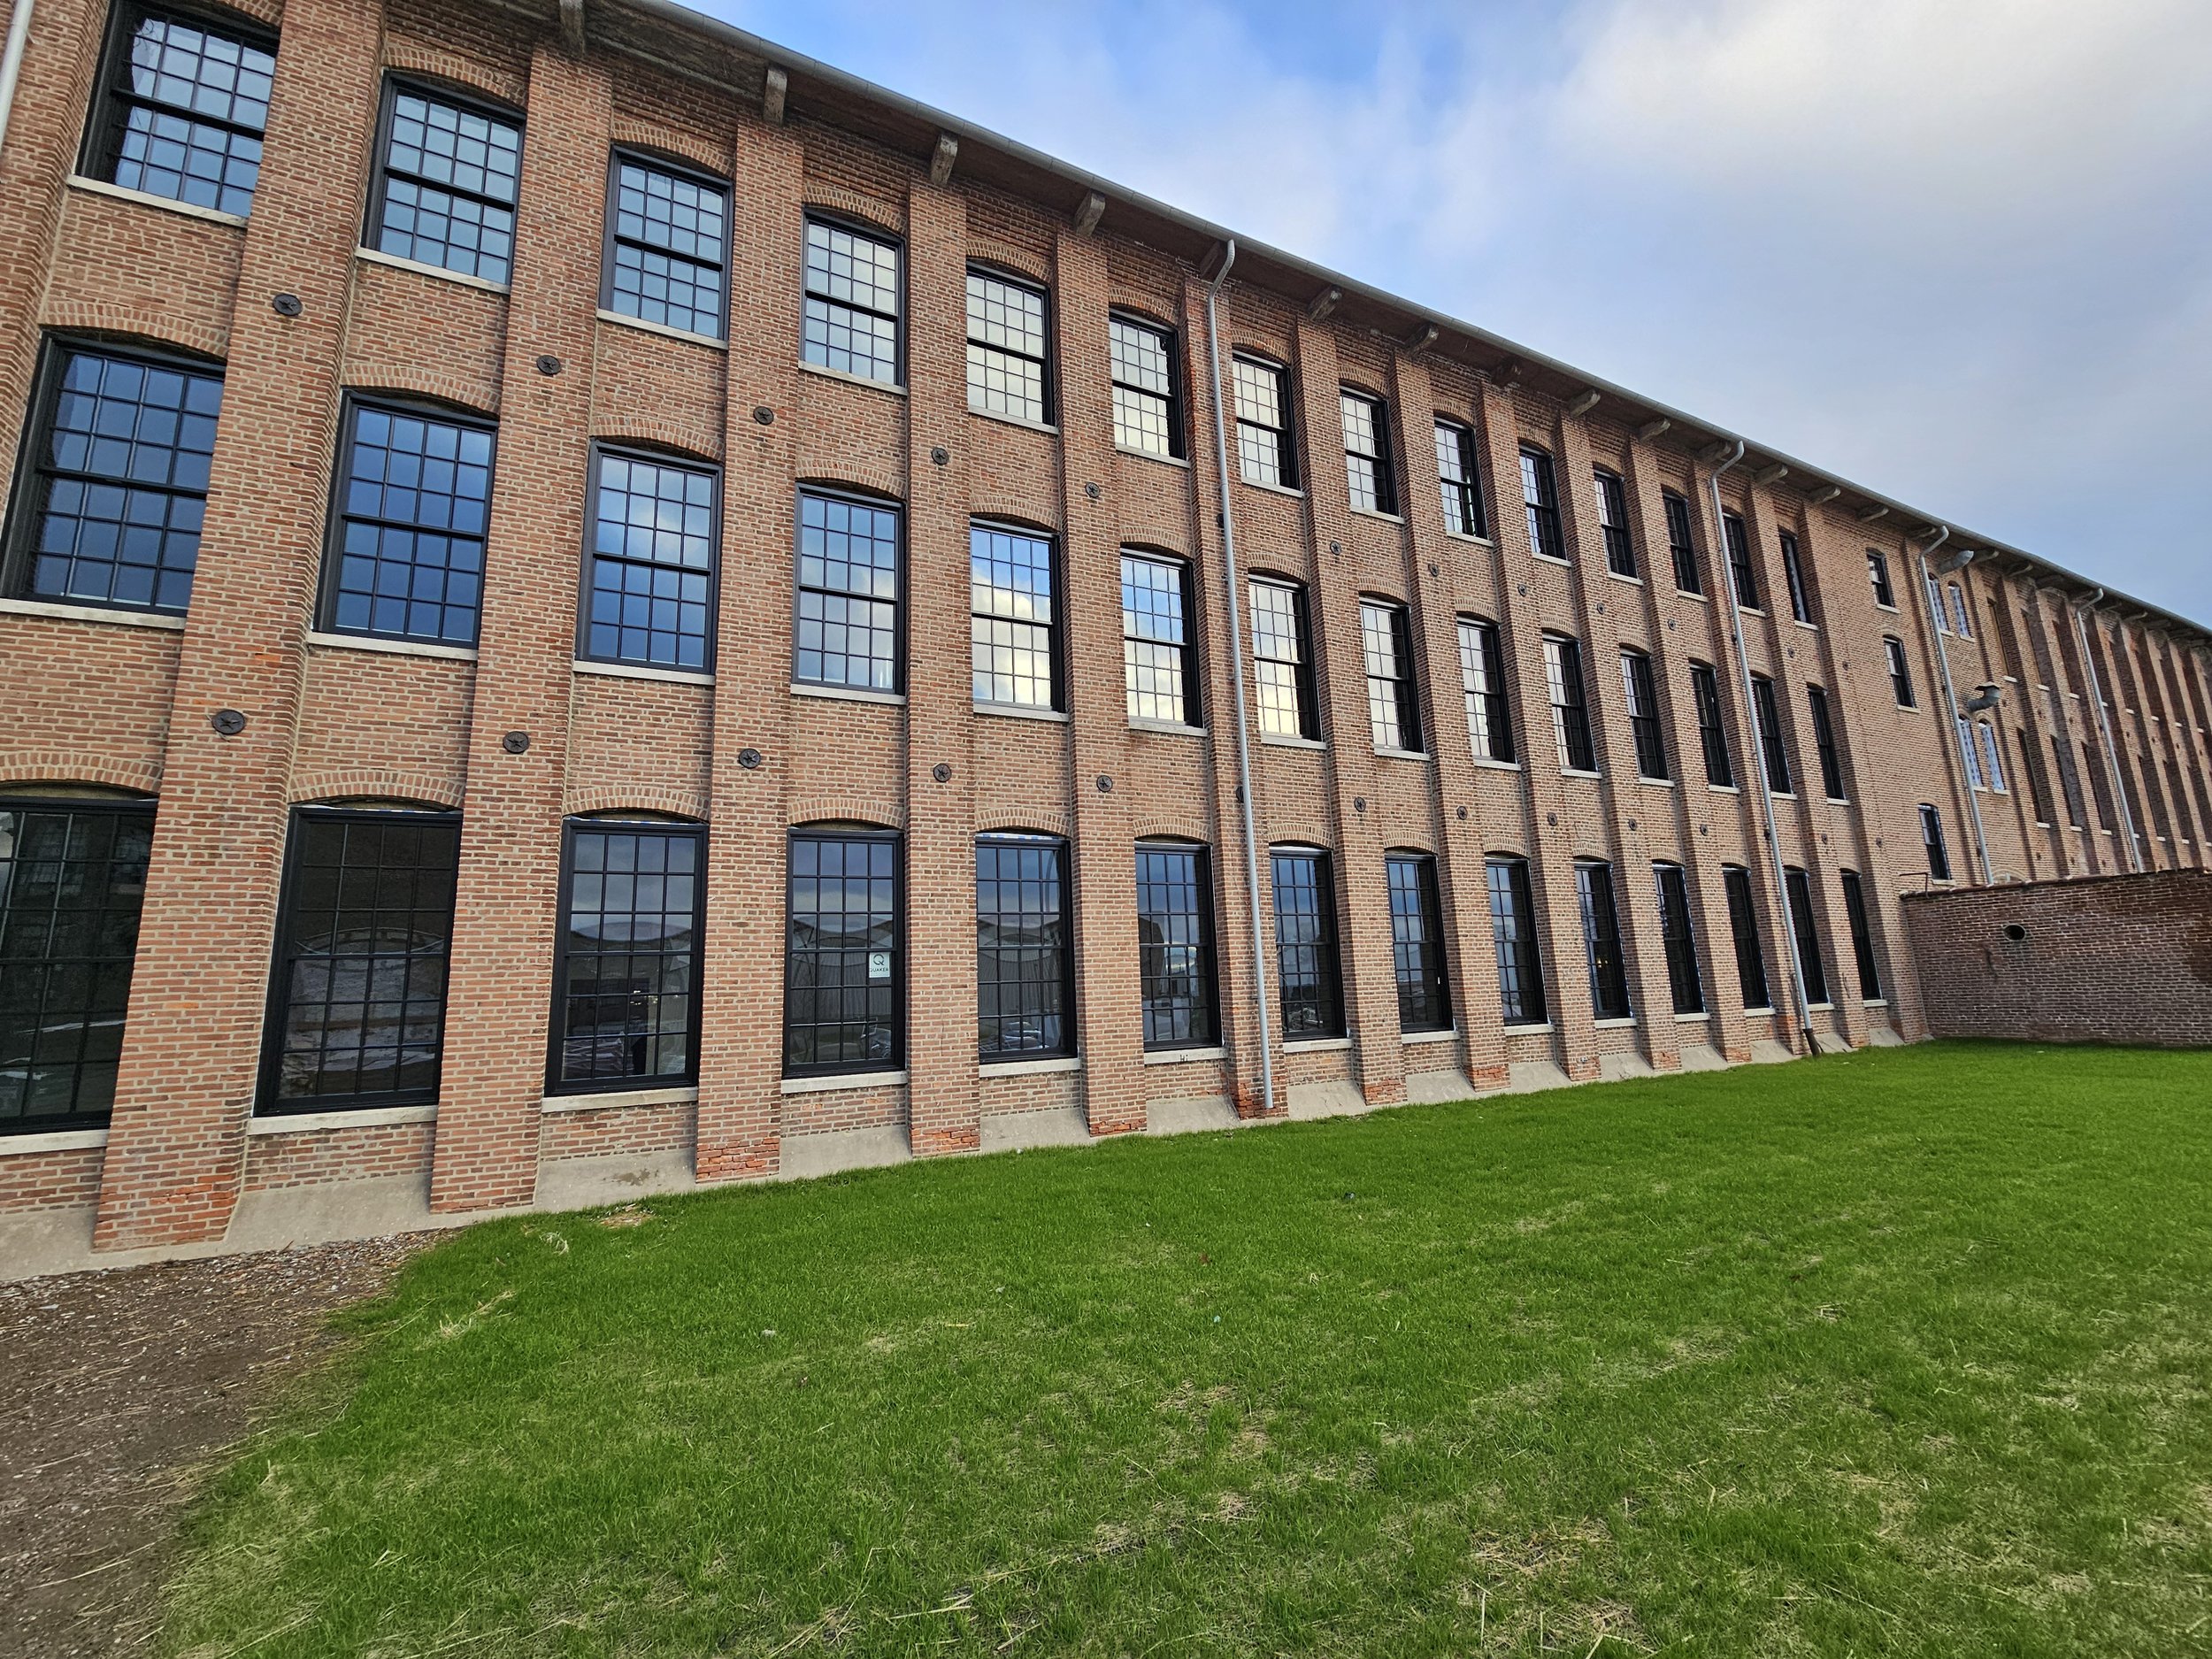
<point x="118" y="1391"/>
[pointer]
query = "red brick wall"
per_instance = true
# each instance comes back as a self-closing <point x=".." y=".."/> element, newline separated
<point x="2121" y="959"/>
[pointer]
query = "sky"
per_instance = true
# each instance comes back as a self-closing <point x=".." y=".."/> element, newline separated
<point x="1957" y="250"/>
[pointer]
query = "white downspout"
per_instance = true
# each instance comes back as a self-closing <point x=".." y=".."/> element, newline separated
<point x="1759" y="752"/>
<point x="2104" y="729"/>
<point x="11" y="62"/>
<point x="1236" y="677"/>
<point x="1961" y="733"/>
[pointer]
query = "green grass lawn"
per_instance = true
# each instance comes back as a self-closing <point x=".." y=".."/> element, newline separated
<point x="1898" y="1353"/>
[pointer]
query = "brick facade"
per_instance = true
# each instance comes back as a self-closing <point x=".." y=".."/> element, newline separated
<point x="123" y="700"/>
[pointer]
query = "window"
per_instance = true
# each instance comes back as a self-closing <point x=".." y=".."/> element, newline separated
<point x="1570" y="709"/>
<point x="2100" y="786"/>
<point x="1305" y="944"/>
<point x="1771" y="750"/>
<point x="1861" y="937"/>
<point x="2038" y="778"/>
<point x="1992" y="756"/>
<point x="1680" y="546"/>
<point x="1643" y="714"/>
<point x="1705" y="691"/>
<point x="445" y="193"/>
<point x="1601" y="935"/>
<point x="1456" y="476"/>
<point x="1367" y="469"/>
<point x="625" y="972"/>
<point x="1175" y="945"/>
<point x="1806" y="931"/>
<point x="1006" y="347"/>
<point x="851" y="315"/>
<point x="1263" y="449"/>
<point x="183" y="102"/>
<point x="1157" y="667"/>
<point x="667" y="245"/>
<point x="109" y="511"/>
<point x="1417" y="943"/>
<point x="414" y="493"/>
<point x="357" y="1014"/>
<point x="1961" y="623"/>
<point x="1793" y="574"/>
<point x="652" y="567"/>
<point x="1540" y="496"/>
<point x="1825" y="741"/>
<point x="1680" y="939"/>
<point x="1482" y="677"/>
<point x="1743" y="926"/>
<point x="849" y="592"/>
<point x="1148" y="406"/>
<point x="1012" y="603"/>
<point x="72" y="878"/>
<point x="1935" y="604"/>
<point x="1513" y="931"/>
<point x="1931" y="838"/>
<point x="1900" y="674"/>
<point x="1025" y="955"/>
<point x="1966" y="751"/>
<point x="1877" y="573"/>
<point x="844" y="977"/>
<point x="1741" y="571"/>
<point x="1282" y="652"/>
<point x="1620" y="551"/>
<point x="1386" y="637"/>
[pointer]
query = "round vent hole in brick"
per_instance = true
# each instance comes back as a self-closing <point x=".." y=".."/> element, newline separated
<point x="2016" y="933"/>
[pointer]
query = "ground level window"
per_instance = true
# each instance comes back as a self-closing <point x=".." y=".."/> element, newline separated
<point x="1417" y="943"/>
<point x="1175" y="944"/>
<point x="1601" y="933"/>
<point x="843" y="968"/>
<point x="627" y="971"/>
<point x="1861" y="937"/>
<point x="358" y="1008"/>
<point x="1680" y="938"/>
<point x="1305" y="943"/>
<point x="73" y="877"/>
<point x="1743" y="924"/>
<point x="1513" y="930"/>
<point x="1806" y="931"/>
<point x="1024" y="964"/>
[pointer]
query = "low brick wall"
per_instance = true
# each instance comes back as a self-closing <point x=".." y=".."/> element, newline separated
<point x="2123" y="959"/>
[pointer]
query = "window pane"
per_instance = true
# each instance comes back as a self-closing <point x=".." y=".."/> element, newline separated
<point x="1861" y="937"/>
<point x="1143" y="383"/>
<point x="629" y="969"/>
<point x="1011" y="598"/>
<point x="1262" y="453"/>
<point x="1384" y="644"/>
<point x="1456" y="475"/>
<point x="1741" y="570"/>
<point x="185" y="110"/>
<point x="1620" y="549"/>
<point x="1305" y="946"/>
<point x="848" y="594"/>
<point x="1569" y="713"/>
<point x="852" y="303"/>
<point x="652" y="565"/>
<point x="1024" y="968"/>
<point x="1642" y="695"/>
<point x="1006" y="347"/>
<point x="1806" y="933"/>
<point x="1601" y="935"/>
<point x="1417" y="944"/>
<point x="1278" y="651"/>
<point x="1154" y="640"/>
<point x="1482" y="679"/>
<point x="361" y="969"/>
<point x="1513" y="930"/>
<point x="1743" y="924"/>
<point x="451" y="177"/>
<point x="72" y="878"/>
<point x="410" y="543"/>
<point x="1680" y="546"/>
<point x="1539" y="498"/>
<point x="1767" y="717"/>
<point x="1680" y="938"/>
<point x="1364" y="460"/>
<point x="1175" y="946"/>
<point x="671" y="245"/>
<point x="842" y="957"/>
<point x="1705" y="688"/>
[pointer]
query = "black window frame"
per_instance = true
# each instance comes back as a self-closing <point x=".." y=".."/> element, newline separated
<point x="691" y="173"/>
<point x="1171" y="344"/>
<point x="351" y="407"/>
<point x="1403" y="690"/>
<point x="1640" y="689"/>
<point x="1048" y="388"/>
<point x="1900" y="670"/>
<point x="1054" y="847"/>
<point x="1743" y="571"/>
<point x="1318" y="1014"/>
<point x="458" y="98"/>
<point x="1793" y="576"/>
<point x="1620" y="542"/>
<point x="1569" y="694"/>
<point x="99" y="153"/>
<point x="1605" y="953"/>
<point x="1489" y="703"/>
<point x="1677" y="934"/>
<point x="1287" y="471"/>
<point x="898" y="601"/>
<point x="601" y="450"/>
<point x="1877" y="577"/>
<point x="1712" y="730"/>
<point x="1774" y="754"/>
<point x="1304" y="691"/>
<point x="1855" y="912"/>
<point x="1682" y="543"/>
<point x="1193" y="702"/>
<point x="1207" y="972"/>
<point x="1056" y="644"/>
<point x="31" y="493"/>
<point x="1932" y="842"/>
<point x="89" y="963"/>
<point x="1546" y="539"/>
<point x="1797" y="893"/>
<point x="838" y="224"/>
<point x="267" y="1101"/>
<point x="557" y="1034"/>
<point x="1381" y="473"/>
<point x="1418" y="964"/>
<point x="1743" y="930"/>
<point x="1824" y="744"/>
<point x="1520" y="956"/>
<point x="1462" y="495"/>
<point x="849" y="835"/>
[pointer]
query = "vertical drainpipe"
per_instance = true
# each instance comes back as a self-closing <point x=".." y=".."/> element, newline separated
<point x="1962" y="732"/>
<point x="2104" y="729"/>
<point x="1230" y="582"/>
<point x="11" y="64"/>
<point x="1759" y="752"/>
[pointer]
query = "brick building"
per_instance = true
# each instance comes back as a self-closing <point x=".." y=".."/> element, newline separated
<point x="498" y="490"/>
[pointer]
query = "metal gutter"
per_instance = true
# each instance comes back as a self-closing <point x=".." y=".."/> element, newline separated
<point x="11" y="62"/>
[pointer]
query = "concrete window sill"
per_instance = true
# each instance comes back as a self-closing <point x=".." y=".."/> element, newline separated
<point x="849" y="694"/>
<point x="64" y="612"/>
<point x="612" y="1099"/>
<point x="663" y="330"/>
<point x="1184" y="1056"/>
<point x="850" y="379"/>
<point x="1021" y="711"/>
<point x="842" y="1080"/>
<point x="391" y="648"/>
<point x="1058" y="1062"/>
<point x="1316" y="1045"/>
<point x="460" y="279"/>
<point x="367" y="1118"/>
<point x="638" y="671"/>
<point x="147" y="198"/>
<point x="1411" y="1039"/>
<point x="52" y="1141"/>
